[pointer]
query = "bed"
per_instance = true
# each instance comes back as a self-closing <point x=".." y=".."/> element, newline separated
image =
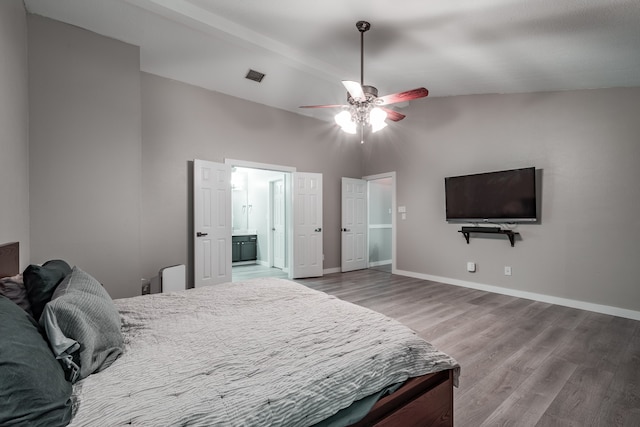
<point x="261" y="352"/>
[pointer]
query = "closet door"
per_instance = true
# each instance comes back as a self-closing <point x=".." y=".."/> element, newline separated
<point x="211" y="222"/>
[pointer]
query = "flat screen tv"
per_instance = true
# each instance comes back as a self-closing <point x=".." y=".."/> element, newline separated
<point x="507" y="196"/>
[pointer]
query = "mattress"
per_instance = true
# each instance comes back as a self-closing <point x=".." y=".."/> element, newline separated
<point x="256" y="353"/>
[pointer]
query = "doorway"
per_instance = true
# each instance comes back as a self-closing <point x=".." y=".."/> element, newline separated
<point x="302" y="216"/>
<point x="260" y="222"/>
<point x="213" y="224"/>
<point x="381" y="222"/>
<point x="368" y="236"/>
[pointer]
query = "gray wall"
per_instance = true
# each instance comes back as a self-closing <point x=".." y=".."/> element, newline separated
<point x="183" y="122"/>
<point x="85" y="144"/>
<point x="586" y="145"/>
<point x="14" y="127"/>
<point x="111" y="151"/>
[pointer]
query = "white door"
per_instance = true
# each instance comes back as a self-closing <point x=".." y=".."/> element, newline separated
<point x="307" y="225"/>
<point x="279" y="224"/>
<point x="211" y="222"/>
<point x="354" y="224"/>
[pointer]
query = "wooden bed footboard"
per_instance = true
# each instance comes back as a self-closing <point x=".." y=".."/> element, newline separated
<point x="422" y="401"/>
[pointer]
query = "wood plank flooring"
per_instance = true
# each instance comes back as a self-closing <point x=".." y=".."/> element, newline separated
<point x="251" y="271"/>
<point x="524" y="363"/>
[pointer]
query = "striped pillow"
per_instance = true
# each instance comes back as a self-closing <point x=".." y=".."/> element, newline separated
<point x="82" y="325"/>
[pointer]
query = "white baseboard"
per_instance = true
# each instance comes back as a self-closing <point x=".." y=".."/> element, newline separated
<point x="582" y="305"/>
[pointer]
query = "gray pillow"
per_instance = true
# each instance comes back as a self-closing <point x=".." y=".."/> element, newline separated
<point x="33" y="390"/>
<point x="83" y="326"/>
<point x="13" y="288"/>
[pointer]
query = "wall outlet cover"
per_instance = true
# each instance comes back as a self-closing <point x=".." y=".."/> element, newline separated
<point x="471" y="267"/>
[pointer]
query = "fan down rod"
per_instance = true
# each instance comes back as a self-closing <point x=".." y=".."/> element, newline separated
<point x="362" y="26"/>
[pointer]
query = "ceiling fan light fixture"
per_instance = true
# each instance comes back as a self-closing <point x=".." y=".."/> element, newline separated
<point x="376" y="119"/>
<point x="344" y="120"/>
<point x="362" y="109"/>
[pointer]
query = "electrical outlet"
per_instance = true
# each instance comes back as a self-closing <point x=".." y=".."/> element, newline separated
<point x="471" y="267"/>
<point x="146" y="288"/>
<point x="507" y="271"/>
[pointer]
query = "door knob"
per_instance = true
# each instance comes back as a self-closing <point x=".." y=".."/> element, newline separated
<point x="199" y="234"/>
<point x="346" y="229"/>
<point x="317" y="230"/>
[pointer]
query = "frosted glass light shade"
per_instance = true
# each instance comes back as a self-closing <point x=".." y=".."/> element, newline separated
<point x="343" y="119"/>
<point x="376" y="118"/>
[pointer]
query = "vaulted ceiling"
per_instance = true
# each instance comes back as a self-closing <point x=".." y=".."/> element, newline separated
<point x="306" y="48"/>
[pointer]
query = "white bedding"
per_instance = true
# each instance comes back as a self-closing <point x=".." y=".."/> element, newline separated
<point x="257" y="353"/>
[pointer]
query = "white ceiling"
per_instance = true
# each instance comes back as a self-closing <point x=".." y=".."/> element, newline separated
<point x="306" y="48"/>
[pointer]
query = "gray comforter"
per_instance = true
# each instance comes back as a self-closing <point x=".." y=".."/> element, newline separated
<point x="258" y="353"/>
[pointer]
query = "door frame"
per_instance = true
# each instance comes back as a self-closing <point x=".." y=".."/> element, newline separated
<point x="394" y="215"/>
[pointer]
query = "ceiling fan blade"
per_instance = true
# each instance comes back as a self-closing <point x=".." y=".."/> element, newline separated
<point x="323" y="106"/>
<point x="355" y="90"/>
<point x="393" y="115"/>
<point x="403" y="96"/>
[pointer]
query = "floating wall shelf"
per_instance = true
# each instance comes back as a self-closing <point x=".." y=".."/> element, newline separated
<point x="466" y="231"/>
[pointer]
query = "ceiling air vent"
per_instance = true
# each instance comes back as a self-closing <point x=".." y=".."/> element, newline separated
<point x="254" y="75"/>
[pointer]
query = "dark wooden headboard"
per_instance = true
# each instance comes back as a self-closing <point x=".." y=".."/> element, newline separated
<point x="9" y="259"/>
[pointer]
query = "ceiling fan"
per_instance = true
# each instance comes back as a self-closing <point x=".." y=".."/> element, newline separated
<point x="364" y="107"/>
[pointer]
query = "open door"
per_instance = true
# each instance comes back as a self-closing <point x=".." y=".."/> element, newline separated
<point x="211" y="222"/>
<point x="354" y="224"/>
<point x="278" y="223"/>
<point x="307" y="225"/>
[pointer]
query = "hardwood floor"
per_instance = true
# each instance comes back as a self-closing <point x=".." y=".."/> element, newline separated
<point x="251" y="271"/>
<point x="384" y="267"/>
<point x="524" y="363"/>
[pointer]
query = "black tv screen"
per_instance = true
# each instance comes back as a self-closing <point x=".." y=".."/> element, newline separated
<point x="503" y="196"/>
